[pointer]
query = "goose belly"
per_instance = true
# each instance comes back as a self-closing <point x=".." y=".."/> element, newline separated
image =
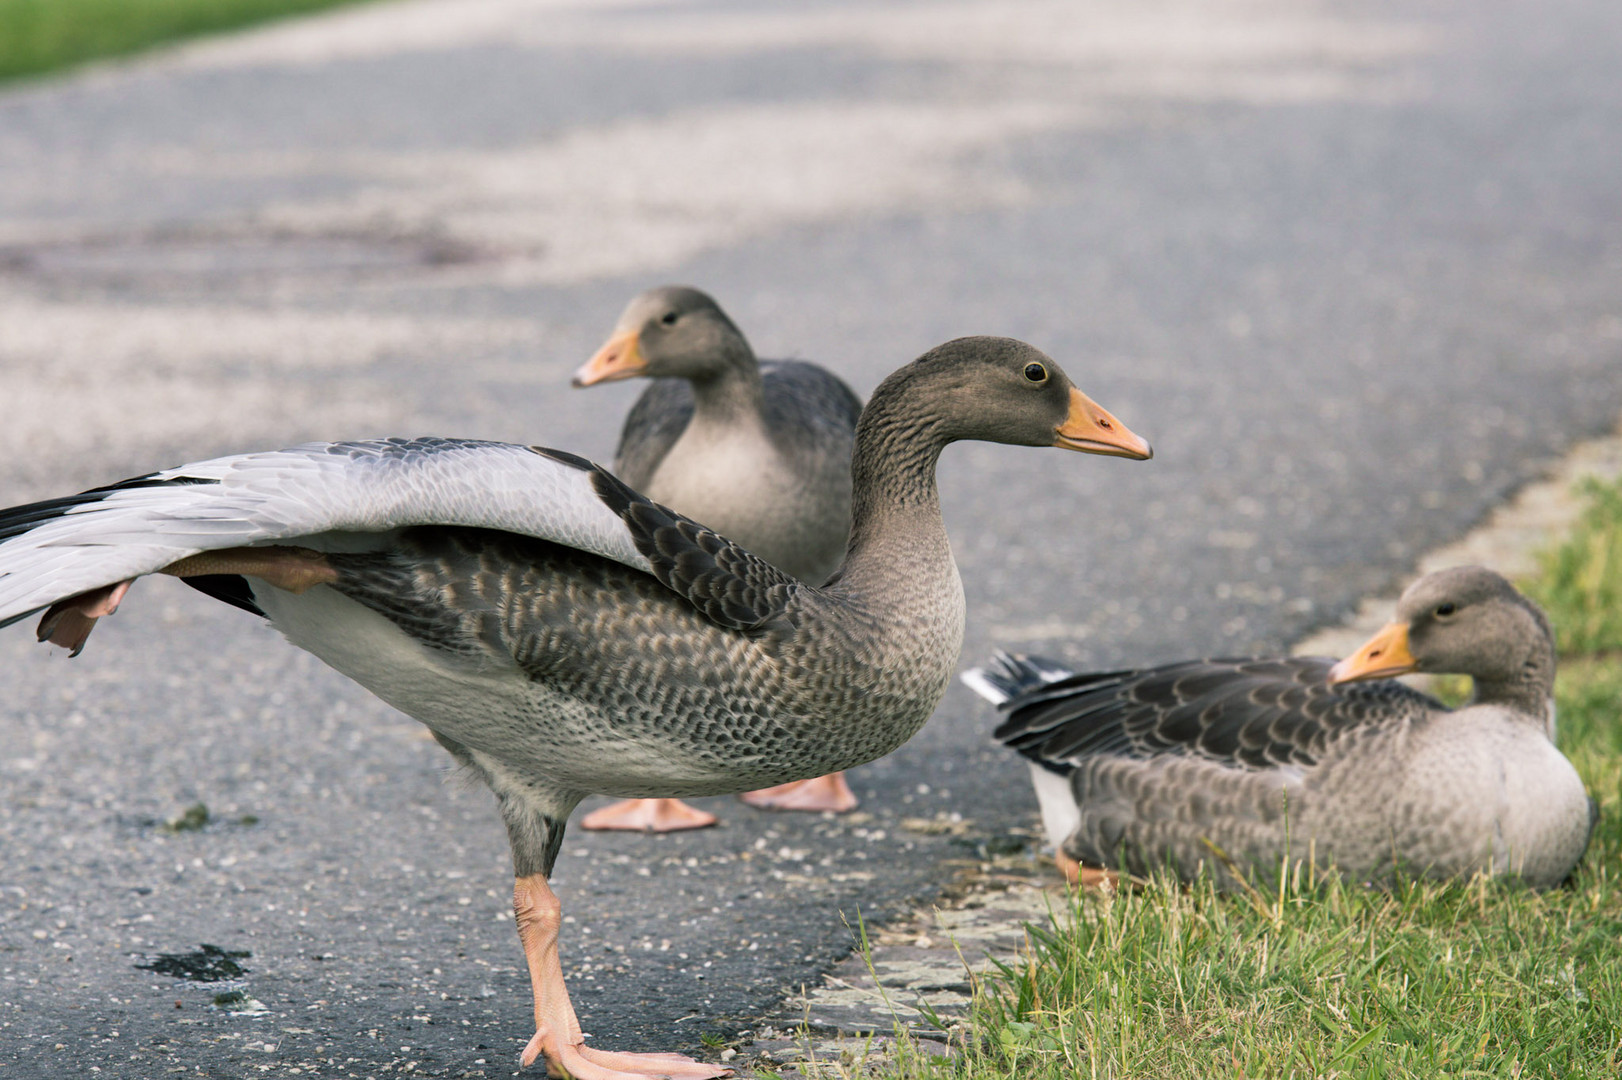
<point x="1533" y="813"/>
<point x="594" y="743"/>
<point x="1479" y="792"/>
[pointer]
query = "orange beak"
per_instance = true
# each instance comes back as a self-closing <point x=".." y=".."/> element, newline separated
<point x="619" y="358"/>
<point x="1382" y="656"/>
<point x="1092" y="430"/>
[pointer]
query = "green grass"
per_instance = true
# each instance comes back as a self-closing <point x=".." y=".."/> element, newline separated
<point x="1316" y="980"/>
<point x="37" y="36"/>
<point x="1324" y="979"/>
<point x="1580" y="583"/>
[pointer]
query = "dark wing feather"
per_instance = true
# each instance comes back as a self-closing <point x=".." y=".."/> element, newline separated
<point x="728" y="585"/>
<point x="1254" y="713"/>
<point x="233" y="589"/>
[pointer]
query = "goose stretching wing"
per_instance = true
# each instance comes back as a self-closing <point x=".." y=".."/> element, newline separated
<point x="562" y="635"/>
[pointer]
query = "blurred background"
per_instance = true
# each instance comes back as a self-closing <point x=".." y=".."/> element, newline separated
<point x="1352" y="266"/>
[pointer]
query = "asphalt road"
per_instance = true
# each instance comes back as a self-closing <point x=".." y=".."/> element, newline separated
<point x="1352" y="267"/>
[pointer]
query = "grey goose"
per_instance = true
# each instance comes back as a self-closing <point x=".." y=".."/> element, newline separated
<point x="1230" y="765"/>
<point x="759" y="451"/>
<point x="562" y="635"/>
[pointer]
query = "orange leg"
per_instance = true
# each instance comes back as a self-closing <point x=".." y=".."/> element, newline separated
<point x="1086" y="877"/>
<point x="557" y="1031"/>
<point x="823" y="793"/>
<point x="648" y="815"/>
<point x="291" y="568"/>
<point x="68" y="622"/>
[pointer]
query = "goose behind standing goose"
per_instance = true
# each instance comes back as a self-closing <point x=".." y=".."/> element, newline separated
<point x="758" y="451"/>
<point x="562" y="635"/>
<point x="1305" y="757"/>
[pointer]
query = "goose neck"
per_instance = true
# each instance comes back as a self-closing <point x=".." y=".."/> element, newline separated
<point x="1529" y="697"/>
<point x="1526" y="686"/>
<point x="732" y="395"/>
<point x="896" y="527"/>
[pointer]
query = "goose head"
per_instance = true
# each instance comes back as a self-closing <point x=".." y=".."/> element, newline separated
<point x="996" y="390"/>
<point x="670" y="332"/>
<point x="1467" y="620"/>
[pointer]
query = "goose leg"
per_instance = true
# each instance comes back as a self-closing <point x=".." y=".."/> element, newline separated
<point x="291" y="568"/>
<point x="822" y="793"/>
<point x="648" y="815"/>
<point x="1086" y="877"/>
<point x="68" y="622"/>
<point x="557" y="1030"/>
<point x="535" y="819"/>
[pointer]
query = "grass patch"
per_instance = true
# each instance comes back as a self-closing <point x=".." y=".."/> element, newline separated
<point x="37" y="36"/>
<point x="1320" y="979"/>
<point x="1580" y="579"/>
<point x="1325" y="978"/>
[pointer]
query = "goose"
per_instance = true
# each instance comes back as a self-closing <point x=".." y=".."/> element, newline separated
<point x="1232" y="765"/>
<point x="757" y="451"/>
<point x="560" y="634"/>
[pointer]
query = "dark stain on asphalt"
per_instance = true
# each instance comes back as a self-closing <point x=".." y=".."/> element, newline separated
<point x="209" y="963"/>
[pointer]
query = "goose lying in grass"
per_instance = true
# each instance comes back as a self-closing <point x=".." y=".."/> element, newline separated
<point x="759" y="452"/>
<point x="560" y="634"/>
<point x="1229" y="765"/>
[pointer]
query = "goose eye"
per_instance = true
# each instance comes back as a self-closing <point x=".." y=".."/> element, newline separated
<point x="1036" y="372"/>
<point x="1444" y="610"/>
<point x="669" y="318"/>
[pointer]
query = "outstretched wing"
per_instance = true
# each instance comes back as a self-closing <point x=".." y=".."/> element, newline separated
<point x="1248" y="714"/>
<point x="63" y="547"/>
<point x="321" y="494"/>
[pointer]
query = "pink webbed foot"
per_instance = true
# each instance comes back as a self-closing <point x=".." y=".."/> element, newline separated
<point x="815" y="796"/>
<point x="581" y="1062"/>
<point x="648" y="815"/>
<point x="68" y="622"/>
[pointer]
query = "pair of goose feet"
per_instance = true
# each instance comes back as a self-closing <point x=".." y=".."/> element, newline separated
<point x="670" y="815"/>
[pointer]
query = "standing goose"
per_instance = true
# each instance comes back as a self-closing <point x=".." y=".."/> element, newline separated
<point x="562" y="635"/>
<point x="758" y="452"/>
<point x="1232" y="764"/>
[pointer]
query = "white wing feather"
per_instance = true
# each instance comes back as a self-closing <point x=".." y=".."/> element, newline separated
<point x="299" y="494"/>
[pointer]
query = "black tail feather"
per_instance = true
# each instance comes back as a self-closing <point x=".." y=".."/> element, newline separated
<point x="1005" y="677"/>
<point x="233" y="589"/>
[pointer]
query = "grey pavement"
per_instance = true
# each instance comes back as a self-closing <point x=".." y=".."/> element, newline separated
<point x="1352" y="267"/>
